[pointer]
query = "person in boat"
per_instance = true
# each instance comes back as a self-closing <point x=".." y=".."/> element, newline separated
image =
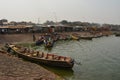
<point x="9" y="49"/>
<point x="45" y="41"/>
<point x="39" y="38"/>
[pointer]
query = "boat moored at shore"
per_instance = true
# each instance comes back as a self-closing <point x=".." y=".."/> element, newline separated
<point x="41" y="57"/>
<point x="117" y="34"/>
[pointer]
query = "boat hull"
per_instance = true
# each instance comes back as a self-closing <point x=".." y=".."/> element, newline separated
<point x="117" y="35"/>
<point x="74" y="37"/>
<point x="86" y="38"/>
<point x="44" y="61"/>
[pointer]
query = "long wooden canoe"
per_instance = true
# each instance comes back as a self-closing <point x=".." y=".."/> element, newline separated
<point x="40" y="57"/>
<point x="86" y="37"/>
<point x="117" y="34"/>
<point x="75" y="37"/>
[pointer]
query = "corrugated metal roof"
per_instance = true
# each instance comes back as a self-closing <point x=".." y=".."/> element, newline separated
<point x="15" y="27"/>
<point x="3" y="26"/>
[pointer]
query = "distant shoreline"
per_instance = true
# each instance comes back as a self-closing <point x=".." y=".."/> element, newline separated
<point x="25" y="38"/>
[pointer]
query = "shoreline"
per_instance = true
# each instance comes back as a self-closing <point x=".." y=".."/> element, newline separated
<point x="14" y="68"/>
<point x="13" y="38"/>
<point x="11" y="66"/>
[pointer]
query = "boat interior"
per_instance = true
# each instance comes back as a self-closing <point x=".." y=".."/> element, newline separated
<point x="39" y="54"/>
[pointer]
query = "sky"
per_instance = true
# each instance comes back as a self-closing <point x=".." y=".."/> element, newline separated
<point x="98" y="11"/>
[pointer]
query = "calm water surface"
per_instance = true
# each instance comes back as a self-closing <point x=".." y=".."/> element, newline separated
<point x="100" y="58"/>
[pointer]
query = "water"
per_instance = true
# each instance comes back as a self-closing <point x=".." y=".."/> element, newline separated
<point x="100" y="58"/>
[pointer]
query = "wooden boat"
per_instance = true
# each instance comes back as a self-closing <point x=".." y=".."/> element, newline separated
<point x="48" y="41"/>
<point x="86" y="37"/>
<point x="117" y="34"/>
<point x="75" y="37"/>
<point x="40" y="57"/>
<point x="62" y="37"/>
<point x="39" y="42"/>
<point x="49" y="44"/>
<point x="97" y="36"/>
<point x="68" y="37"/>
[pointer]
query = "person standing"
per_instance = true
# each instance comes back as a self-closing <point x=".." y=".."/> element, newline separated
<point x="34" y="38"/>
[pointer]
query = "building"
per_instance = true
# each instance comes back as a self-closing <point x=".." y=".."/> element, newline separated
<point x="16" y="29"/>
<point x="3" y="22"/>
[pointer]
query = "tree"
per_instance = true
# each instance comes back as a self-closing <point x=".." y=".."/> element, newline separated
<point x="49" y="22"/>
<point x="64" y="22"/>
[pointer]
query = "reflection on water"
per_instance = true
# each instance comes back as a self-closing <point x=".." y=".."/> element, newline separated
<point x="100" y="58"/>
<point x="65" y="73"/>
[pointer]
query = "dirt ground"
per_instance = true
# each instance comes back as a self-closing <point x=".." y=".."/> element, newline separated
<point x="13" y="68"/>
<point x="11" y="38"/>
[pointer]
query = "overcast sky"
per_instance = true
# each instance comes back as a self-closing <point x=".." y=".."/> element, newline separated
<point x="100" y="11"/>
